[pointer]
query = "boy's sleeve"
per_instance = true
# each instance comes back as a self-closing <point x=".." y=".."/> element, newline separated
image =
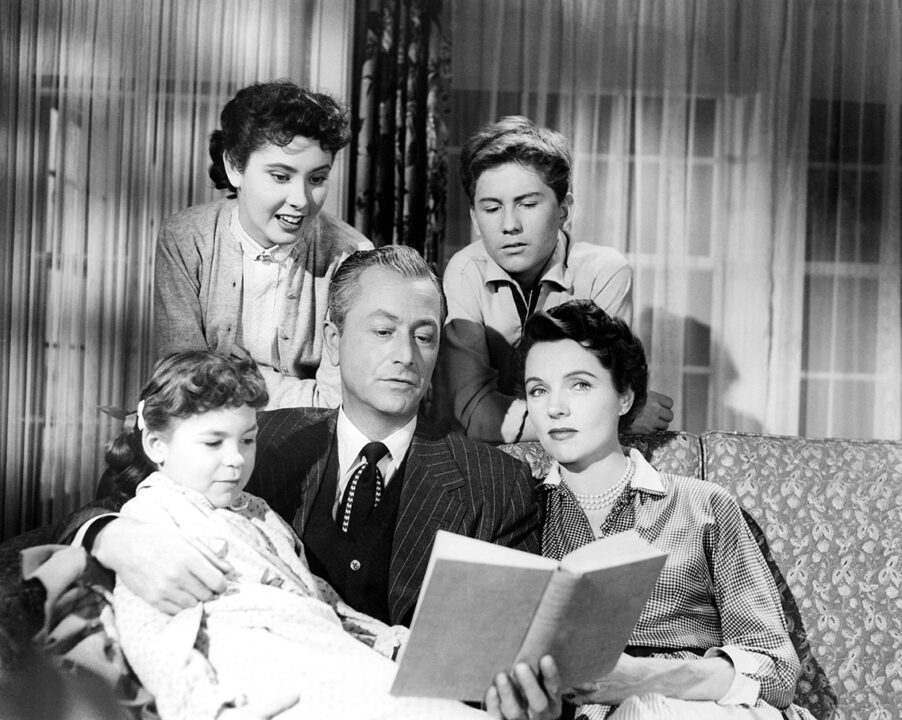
<point x="469" y="384"/>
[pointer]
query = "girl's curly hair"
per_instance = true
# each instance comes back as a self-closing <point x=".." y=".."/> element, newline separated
<point x="181" y="385"/>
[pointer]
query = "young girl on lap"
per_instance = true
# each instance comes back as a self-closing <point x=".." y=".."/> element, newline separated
<point x="278" y="631"/>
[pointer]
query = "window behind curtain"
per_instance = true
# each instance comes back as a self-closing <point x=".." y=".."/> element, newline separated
<point x="746" y="159"/>
<point x="106" y="109"/>
<point x="852" y="277"/>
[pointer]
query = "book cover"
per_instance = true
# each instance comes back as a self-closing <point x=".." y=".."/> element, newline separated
<point x="484" y="607"/>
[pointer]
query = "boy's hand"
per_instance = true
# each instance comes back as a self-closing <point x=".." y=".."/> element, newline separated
<point x="656" y="416"/>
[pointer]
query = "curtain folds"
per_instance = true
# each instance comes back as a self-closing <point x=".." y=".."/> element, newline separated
<point x="400" y="98"/>
<point x="746" y="159"/>
<point x="105" y="113"/>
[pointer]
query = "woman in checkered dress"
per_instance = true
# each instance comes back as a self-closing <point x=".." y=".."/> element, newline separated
<point x="712" y="640"/>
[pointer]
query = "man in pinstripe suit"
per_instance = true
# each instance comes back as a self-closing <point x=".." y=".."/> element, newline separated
<point x="386" y="311"/>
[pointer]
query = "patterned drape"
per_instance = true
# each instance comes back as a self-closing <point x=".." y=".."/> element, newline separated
<point x="399" y="170"/>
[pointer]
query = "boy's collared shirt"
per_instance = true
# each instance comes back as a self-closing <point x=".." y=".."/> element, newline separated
<point x="478" y="379"/>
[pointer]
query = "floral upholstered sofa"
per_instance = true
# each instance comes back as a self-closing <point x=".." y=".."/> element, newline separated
<point x="827" y="513"/>
<point x="831" y="513"/>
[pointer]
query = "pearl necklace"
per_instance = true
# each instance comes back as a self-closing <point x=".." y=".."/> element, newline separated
<point x="606" y="498"/>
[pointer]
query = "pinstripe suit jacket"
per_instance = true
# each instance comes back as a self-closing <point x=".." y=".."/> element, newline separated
<point x="450" y="483"/>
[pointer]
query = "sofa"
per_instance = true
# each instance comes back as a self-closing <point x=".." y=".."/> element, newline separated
<point x="831" y="514"/>
<point x="827" y="515"/>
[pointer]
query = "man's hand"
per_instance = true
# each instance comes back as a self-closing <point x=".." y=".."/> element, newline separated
<point x="524" y="696"/>
<point x="656" y="416"/>
<point x="165" y="567"/>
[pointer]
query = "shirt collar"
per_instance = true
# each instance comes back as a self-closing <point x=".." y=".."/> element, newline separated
<point x="645" y="479"/>
<point x="252" y="249"/>
<point x="351" y="442"/>
<point x="557" y="271"/>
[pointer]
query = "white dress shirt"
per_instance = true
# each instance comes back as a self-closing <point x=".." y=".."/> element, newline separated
<point x="350" y="443"/>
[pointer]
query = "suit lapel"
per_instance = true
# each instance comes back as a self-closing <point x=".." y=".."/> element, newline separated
<point x="431" y="500"/>
<point x="317" y="445"/>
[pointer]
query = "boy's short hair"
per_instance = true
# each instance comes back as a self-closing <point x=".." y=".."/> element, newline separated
<point x="517" y="139"/>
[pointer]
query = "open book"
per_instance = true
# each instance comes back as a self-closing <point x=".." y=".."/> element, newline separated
<point x="485" y="607"/>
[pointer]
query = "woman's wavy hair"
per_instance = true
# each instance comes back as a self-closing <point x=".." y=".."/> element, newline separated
<point x="274" y="112"/>
<point x="182" y="384"/>
<point x="608" y="338"/>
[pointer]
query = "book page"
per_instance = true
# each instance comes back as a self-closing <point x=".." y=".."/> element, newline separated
<point x="460" y="547"/>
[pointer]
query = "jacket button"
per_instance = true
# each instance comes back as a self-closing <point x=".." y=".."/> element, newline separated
<point x="355" y="565"/>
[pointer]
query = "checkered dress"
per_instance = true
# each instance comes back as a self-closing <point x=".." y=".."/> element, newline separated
<point x="715" y="590"/>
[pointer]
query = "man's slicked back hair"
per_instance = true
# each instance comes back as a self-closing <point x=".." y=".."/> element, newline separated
<point x="344" y="287"/>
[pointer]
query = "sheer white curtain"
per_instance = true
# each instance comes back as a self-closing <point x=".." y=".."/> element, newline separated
<point x="746" y="158"/>
<point x="106" y="108"/>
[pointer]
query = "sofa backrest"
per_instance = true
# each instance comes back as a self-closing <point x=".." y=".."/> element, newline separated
<point x="673" y="452"/>
<point x="832" y="512"/>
